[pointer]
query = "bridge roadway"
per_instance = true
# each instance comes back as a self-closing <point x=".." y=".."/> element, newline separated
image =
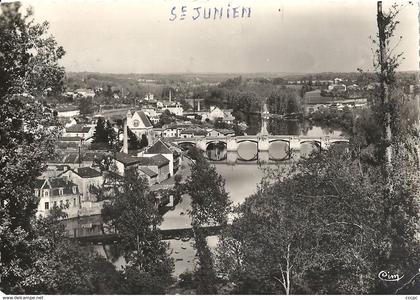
<point x="293" y="142"/>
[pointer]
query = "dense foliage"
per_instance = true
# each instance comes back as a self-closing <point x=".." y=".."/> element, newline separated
<point x="210" y="205"/>
<point x="133" y="213"/>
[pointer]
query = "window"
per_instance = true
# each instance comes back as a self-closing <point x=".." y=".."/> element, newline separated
<point x="55" y="203"/>
<point x="136" y="123"/>
<point x="36" y="192"/>
<point x="74" y="202"/>
<point x="60" y="192"/>
<point x="74" y="190"/>
<point x="47" y="205"/>
<point x="67" y="203"/>
<point x="46" y="193"/>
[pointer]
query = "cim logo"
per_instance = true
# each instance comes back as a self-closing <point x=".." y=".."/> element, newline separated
<point x="387" y="276"/>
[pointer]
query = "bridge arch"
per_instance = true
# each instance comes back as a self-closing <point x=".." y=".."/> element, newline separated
<point x="287" y="150"/>
<point x="316" y="147"/>
<point x="216" y="150"/>
<point x="187" y="145"/>
<point x="247" y="141"/>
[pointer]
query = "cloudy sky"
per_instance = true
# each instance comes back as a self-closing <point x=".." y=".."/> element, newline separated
<point x="127" y="36"/>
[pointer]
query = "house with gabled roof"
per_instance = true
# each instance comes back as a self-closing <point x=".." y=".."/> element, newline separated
<point x="166" y="150"/>
<point x="139" y="124"/>
<point x="157" y="163"/>
<point x="57" y="191"/>
<point x="79" y="130"/>
<point x="85" y="178"/>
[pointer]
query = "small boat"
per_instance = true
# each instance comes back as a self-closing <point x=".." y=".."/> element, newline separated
<point x="179" y="259"/>
<point x="184" y="248"/>
<point x="181" y="213"/>
<point x="177" y="238"/>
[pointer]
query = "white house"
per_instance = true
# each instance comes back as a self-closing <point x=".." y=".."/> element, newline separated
<point x="79" y="130"/>
<point x="57" y="192"/>
<point x="216" y="113"/>
<point x="152" y="114"/>
<point x="220" y="132"/>
<point x="159" y="147"/>
<point x="173" y="107"/>
<point x="85" y="93"/>
<point x="140" y="124"/>
<point x="85" y="178"/>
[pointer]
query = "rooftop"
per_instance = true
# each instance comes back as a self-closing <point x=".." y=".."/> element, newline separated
<point x="87" y="172"/>
<point x="78" y="128"/>
<point x="144" y="118"/>
<point x="129" y="160"/>
<point x="160" y="160"/>
<point x="159" y="148"/>
<point x="148" y="171"/>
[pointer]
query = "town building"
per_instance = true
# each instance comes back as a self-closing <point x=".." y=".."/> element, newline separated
<point x="57" y="192"/>
<point x="85" y="93"/>
<point x="140" y="124"/>
<point x="193" y="132"/>
<point x="158" y="164"/>
<point x="152" y="114"/>
<point x="220" y="132"/>
<point x="217" y="113"/>
<point x="86" y="178"/>
<point x="166" y="150"/>
<point x="80" y="130"/>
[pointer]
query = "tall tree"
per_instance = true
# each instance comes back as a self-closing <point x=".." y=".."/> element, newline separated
<point x="29" y="68"/>
<point x="63" y="266"/>
<point x="133" y="213"/>
<point x="100" y="134"/>
<point x="210" y="205"/>
<point x="317" y="228"/>
<point x="133" y="141"/>
<point x="144" y="142"/>
<point x="86" y="106"/>
<point x="111" y="136"/>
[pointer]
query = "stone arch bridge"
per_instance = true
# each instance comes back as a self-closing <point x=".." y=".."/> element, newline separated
<point x="294" y="142"/>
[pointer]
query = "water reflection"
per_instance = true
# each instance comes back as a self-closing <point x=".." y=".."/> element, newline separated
<point x="216" y="151"/>
<point x="247" y="151"/>
<point x="279" y="150"/>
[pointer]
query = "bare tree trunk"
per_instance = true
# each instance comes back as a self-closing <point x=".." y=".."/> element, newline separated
<point x="384" y="91"/>
<point x="285" y="274"/>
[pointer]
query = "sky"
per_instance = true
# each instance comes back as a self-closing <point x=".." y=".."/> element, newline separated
<point x="143" y="36"/>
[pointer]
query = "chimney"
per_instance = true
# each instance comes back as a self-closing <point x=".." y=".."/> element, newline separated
<point x="170" y="95"/>
<point x="198" y="105"/>
<point x="125" y="141"/>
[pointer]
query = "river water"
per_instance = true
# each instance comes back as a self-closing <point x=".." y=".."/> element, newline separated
<point x="242" y="175"/>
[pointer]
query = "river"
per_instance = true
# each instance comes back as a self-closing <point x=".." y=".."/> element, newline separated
<point x="241" y="181"/>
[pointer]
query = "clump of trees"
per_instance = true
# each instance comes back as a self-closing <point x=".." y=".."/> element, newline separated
<point x="105" y="135"/>
<point x="210" y="205"/>
<point x="37" y="256"/>
<point x="331" y="223"/>
<point x="133" y="213"/>
<point x="133" y="141"/>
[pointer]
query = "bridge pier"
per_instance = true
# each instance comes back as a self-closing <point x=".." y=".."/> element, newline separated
<point x="263" y="156"/>
<point x="231" y="157"/>
<point x="263" y="144"/>
<point x="325" y="143"/>
<point x="202" y="145"/>
<point x="294" y="144"/>
<point x="232" y="145"/>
